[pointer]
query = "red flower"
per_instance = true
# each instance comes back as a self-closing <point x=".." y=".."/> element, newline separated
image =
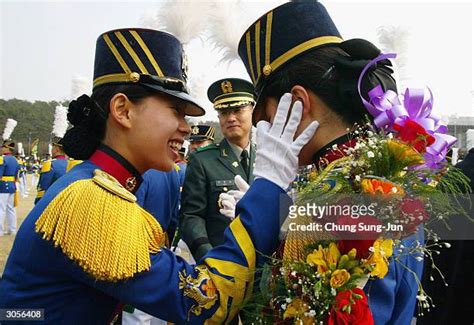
<point x="360" y="240"/>
<point x="413" y="212"/>
<point x="352" y="308"/>
<point x="361" y="246"/>
<point x="415" y="135"/>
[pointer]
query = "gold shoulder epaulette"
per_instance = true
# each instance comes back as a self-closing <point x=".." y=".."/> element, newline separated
<point x="46" y="167"/>
<point x="98" y="224"/>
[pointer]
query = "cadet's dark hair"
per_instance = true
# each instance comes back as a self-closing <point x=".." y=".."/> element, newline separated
<point x="332" y="73"/>
<point x="88" y="116"/>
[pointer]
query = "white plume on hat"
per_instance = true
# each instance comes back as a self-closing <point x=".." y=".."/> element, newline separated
<point x="60" y="121"/>
<point x="186" y="20"/>
<point x="9" y="127"/>
<point x="228" y="22"/>
<point x="394" y="39"/>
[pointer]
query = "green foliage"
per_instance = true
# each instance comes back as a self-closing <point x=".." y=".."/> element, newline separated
<point x="35" y="121"/>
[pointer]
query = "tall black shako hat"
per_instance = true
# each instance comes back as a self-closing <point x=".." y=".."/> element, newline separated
<point x="231" y="93"/>
<point x="202" y="132"/>
<point x="150" y="58"/>
<point x="283" y="34"/>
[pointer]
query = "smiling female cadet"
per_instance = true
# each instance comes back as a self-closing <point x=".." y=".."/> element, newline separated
<point x="87" y="247"/>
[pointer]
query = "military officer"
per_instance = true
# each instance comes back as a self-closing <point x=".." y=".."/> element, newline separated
<point x="211" y="169"/>
<point x="87" y="246"/>
<point x="52" y="169"/>
<point x="9" y="169"/>
<point x="201" y="136"/>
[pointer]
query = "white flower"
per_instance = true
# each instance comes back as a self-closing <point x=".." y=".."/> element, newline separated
<point x="333" y="291"/>
<point x="357" y="178"/>
<point x="370" y="154"/>
<point x="283" y="306"/>
<point x="288" y="300"/>
<point x="394" y="190"/>
<point x="370" y="133"/>
<point x="390" y="135"/>
<point x="312" y="313"/>
<point x="421" y="297"/>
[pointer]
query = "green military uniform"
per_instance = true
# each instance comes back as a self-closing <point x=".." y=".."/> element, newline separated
<point x="210" y="172"/>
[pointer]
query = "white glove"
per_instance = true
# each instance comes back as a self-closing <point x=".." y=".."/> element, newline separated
<point x="277" y="152"/>
<point x="229" y="200"/>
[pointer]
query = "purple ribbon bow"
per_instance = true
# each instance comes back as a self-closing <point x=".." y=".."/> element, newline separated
<point x="389" y="108"/>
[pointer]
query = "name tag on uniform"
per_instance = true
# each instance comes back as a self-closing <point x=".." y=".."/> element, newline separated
<point x="225" y="182"/>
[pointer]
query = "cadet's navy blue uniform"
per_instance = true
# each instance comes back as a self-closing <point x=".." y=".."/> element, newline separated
<point x="73" y="287"/>
<point x="51" y="171"/>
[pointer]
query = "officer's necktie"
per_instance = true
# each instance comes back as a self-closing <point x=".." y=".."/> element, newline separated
<point x="244" y="161"/>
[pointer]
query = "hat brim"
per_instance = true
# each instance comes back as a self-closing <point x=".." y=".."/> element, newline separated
<point x="192" y="107"/>
<point x="199" y="138"/>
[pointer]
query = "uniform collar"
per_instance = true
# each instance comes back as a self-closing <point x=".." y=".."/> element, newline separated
<point x="60" y="157"/>
<point x="238" y="150"/>
<point x="114" y="164"/>
<point x="329" y="153"/>
<point x="8" y="154"/>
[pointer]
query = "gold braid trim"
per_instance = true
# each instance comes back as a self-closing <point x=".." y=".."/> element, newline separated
<point x="100" y="227"/>
<point x="296" y="241"/>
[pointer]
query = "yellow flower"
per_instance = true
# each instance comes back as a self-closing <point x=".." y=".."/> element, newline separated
<point x="405" y="153"/>
<point x="295" y="309"/>
<point x="333" y="256"/>
<point x="385" y="246"/>
<point x="352" y="254"/>
<point x="378" y="259"/>
<point x="380" y="266"/>
<point x="339" y="278"/>
<point x="318" y="258"/>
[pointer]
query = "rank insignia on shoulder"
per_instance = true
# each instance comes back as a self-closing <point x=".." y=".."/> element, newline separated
<point x="112" y="185"/>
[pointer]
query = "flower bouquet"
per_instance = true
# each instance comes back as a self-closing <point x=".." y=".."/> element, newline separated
<point x="394" y="168"/>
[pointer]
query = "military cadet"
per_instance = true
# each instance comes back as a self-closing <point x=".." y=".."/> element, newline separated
<point x="306" y="56"/>
<point x="35" y="169"/>
<point x="201" y="136"/>
<point x="87" y="246"/>
<point x="211" y="169"/>
<point x="9" y="169"/>
<point x="22" y="173"/>
<point x="52" y="169"/>
<point x="56" y="167"/>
